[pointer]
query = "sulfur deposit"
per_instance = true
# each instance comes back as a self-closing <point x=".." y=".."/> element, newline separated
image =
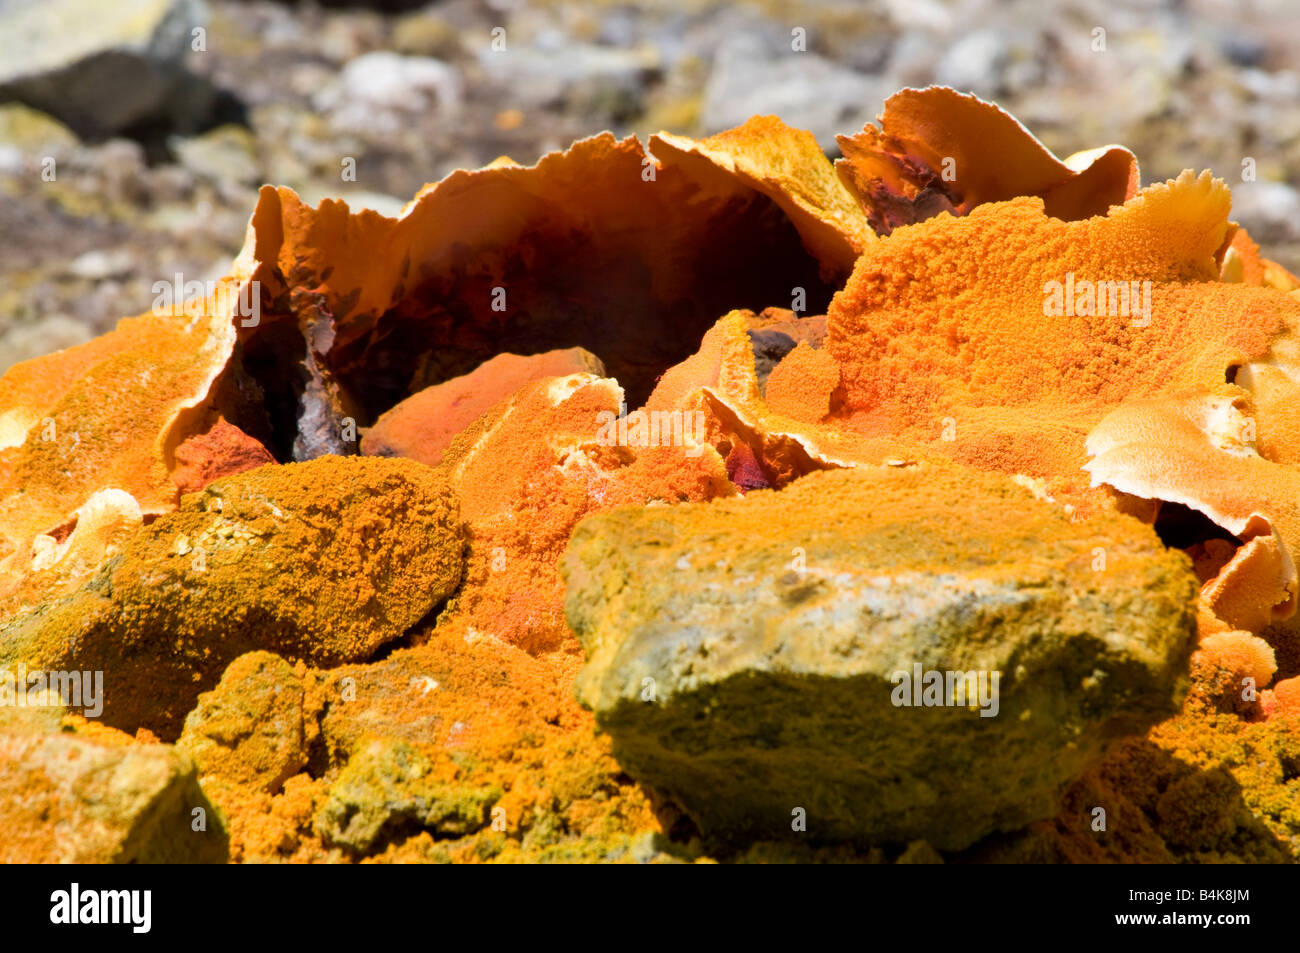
<point x="698" y="500"/>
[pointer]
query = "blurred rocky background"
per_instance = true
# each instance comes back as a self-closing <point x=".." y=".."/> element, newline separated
<point x="134" y="133"/>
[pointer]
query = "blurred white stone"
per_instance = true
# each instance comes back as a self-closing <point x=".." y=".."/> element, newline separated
<point x="975" y="63"/>
<point x="101" y="263"/>
<point x="11" y="160"/>
<point x="1270" y="211"/>
<point x="920" y="14"/>
<point x="546" y="72"/>
<point x="380" y="90"/>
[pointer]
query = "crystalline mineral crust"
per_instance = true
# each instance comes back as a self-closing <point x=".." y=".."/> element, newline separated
<point x="726" y="435"/>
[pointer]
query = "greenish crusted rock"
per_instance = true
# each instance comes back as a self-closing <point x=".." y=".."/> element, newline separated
<point x="744" y="654"/>
<point x="323" y="562"/>
<point x="391" y="789"/>
<point x="251" y="728"/>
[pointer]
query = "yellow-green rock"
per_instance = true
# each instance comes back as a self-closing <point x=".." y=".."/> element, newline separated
<point x="748" y="656"/>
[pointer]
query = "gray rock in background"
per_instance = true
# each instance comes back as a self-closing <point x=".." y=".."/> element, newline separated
<point x="104" y="67"/>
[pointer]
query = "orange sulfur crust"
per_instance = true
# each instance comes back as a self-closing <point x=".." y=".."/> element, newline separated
<point x="939" y="150"/>
<point x="803" y="385"/>
<point x="938" y="349"/>
<point x="109" y="424"/>
<point x="944" y="323"/>
<point x="526" y="473"/>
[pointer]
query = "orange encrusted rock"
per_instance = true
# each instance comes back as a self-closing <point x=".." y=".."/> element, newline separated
<point x="803" y="384"/>
<point x="528" y="470"/>
<point x="601" y="246"/>
<point x="222" y="451"/>
<point x="105" y="415"/>
<point x="1286" y="698"/>
<point x="69" y="798"/>
<point x="1200" y="452"/>
<point x="763" y="447"/>
<point x="423" y="426"/>
<point x="251" y="728"/>
<point x="1002" y="337"/>
<point x="1229" y="669"/>
<point x="1243" y="262"/>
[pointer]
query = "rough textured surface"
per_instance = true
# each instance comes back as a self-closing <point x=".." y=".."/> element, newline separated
<point x="70" y="799"/>
<point x="770" y="628"/>
<point x="102" y="416"/>
<point x="1204" y="787"/>
<point x="775" y="332"/>
<point x="390" y="787"/>
<point x="250" y="729"/>
<point x="527" y="471"/>
<point x="950" y="321"/>
<point x="464" y="749"/>
<point x="804" y="384"/>
<point x="322" y="561"/>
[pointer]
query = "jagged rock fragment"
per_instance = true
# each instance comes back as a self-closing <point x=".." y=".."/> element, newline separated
<point x="390" y="787"/>
<point x="938" y="150"/>
<point x="224" y="450"/>
<point x="68" y="799"/>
